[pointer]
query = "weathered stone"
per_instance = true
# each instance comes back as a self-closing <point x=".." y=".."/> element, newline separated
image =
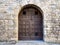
<point x="10" y="24"/>
<point x="2" y="25"/>
<point x="9" y="10"/>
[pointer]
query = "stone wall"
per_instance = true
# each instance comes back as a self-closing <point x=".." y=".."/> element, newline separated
<point x="9" y="10"/>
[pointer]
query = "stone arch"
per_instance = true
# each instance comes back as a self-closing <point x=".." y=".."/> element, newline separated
<point x="30" y="6"/>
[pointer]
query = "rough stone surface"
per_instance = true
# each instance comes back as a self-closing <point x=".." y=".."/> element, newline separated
<point x="9" y="10"/>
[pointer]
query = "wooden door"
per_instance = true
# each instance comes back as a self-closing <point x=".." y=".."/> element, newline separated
<point x="30" y="25"/>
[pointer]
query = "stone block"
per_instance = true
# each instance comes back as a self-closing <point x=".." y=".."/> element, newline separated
<point x="2" y="25"/>
<point x="10" y="24"/>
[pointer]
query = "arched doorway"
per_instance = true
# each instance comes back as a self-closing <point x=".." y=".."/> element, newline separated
<point x="30" y="23"/>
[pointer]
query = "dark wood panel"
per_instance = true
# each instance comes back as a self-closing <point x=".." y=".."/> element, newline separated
<point x="30" y="25"/>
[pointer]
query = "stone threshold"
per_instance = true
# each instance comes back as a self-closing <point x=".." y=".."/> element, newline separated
<point x="28" y="42"/>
